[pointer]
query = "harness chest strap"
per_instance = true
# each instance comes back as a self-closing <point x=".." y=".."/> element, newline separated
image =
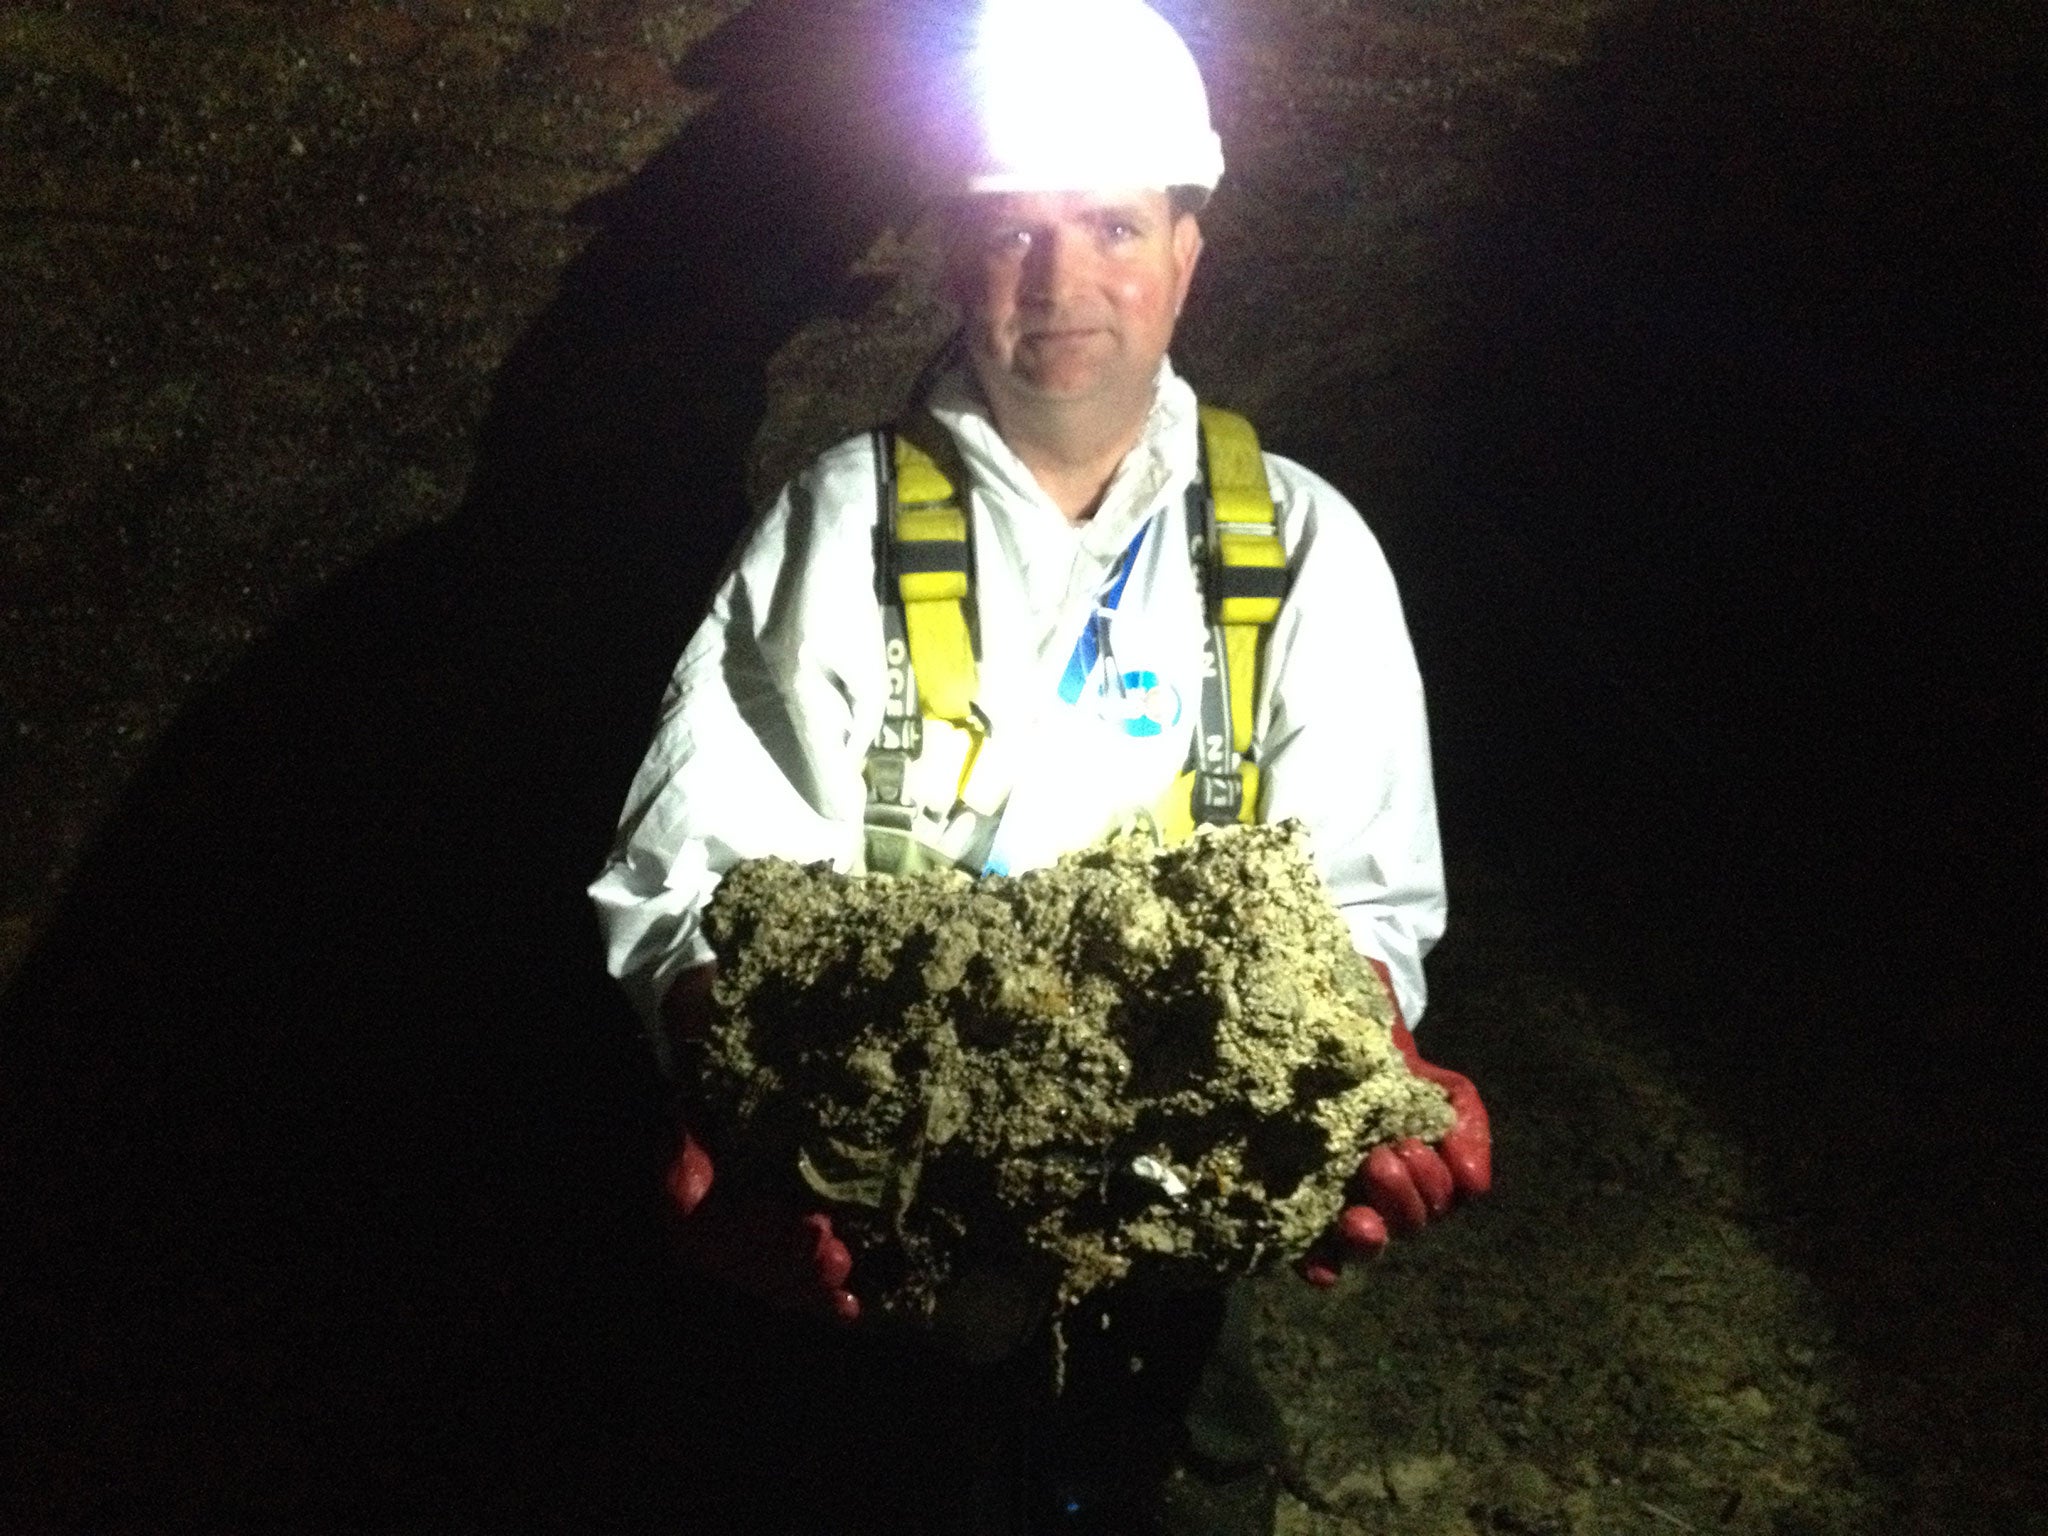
<point x="932" y="734"/>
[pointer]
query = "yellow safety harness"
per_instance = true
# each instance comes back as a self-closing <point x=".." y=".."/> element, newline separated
<point x="934" y="776"/>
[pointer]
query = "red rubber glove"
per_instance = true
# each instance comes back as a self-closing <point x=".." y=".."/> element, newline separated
<point x="766" y="1249"/>
<point x="787" y="1258"/>
<point x="1404" y="1186"/>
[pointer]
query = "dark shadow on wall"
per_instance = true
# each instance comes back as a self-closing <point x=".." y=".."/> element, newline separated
<point x="1731" y="611"/>
<point x="331" y="1156"/>
<point x="1731" y="598"/>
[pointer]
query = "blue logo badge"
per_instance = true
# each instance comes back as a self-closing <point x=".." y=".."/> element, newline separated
<point x="1141" y="704"/>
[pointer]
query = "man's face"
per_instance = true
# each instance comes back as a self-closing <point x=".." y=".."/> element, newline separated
<point x="1071" y="296"/>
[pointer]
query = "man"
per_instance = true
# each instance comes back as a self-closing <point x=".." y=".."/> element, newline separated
<point x="1072" y="244"/>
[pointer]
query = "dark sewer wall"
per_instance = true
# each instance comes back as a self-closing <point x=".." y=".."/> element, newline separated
<point x="1748" y="429"/>
<point x="330" y="1156"/>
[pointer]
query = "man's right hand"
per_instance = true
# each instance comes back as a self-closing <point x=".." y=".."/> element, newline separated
<point x="768" y="1250"/>
<point x="787" y="1258"/>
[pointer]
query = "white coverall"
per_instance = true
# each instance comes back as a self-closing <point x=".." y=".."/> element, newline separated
<point x="767" y="720"/>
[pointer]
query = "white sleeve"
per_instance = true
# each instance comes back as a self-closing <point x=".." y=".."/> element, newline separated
<point x="1344" y="738"/>
<point x="763" y="730"/>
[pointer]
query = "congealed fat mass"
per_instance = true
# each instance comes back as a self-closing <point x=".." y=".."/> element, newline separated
<point x="1139" y="1058"/>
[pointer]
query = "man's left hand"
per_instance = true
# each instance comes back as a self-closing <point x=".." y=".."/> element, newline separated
<point x="1408" y="1184"/>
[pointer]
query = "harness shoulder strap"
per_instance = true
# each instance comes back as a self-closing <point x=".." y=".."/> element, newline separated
<point x="1243" y="565"/>
<point x="931" y="733"/>
<point x="933" y="576"/>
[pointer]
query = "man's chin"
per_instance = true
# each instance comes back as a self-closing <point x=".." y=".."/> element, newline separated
<point x="1072" y="384"/>
<point x="1045" y="384"/>
<point x="1060" y="389"/>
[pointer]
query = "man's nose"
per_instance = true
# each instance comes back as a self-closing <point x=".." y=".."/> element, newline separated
<point x="1057" y="265"/>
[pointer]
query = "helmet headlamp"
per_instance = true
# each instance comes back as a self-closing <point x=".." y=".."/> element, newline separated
<point x="1081" y="95"/>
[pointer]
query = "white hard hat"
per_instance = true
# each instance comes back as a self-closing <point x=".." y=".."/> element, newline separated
<point x="1076" y="95"/>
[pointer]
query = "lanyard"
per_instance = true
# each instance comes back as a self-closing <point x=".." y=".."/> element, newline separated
<point x="1094" y="641"/>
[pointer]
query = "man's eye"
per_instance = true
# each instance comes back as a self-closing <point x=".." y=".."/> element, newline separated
<point x="1009" y="241"/>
